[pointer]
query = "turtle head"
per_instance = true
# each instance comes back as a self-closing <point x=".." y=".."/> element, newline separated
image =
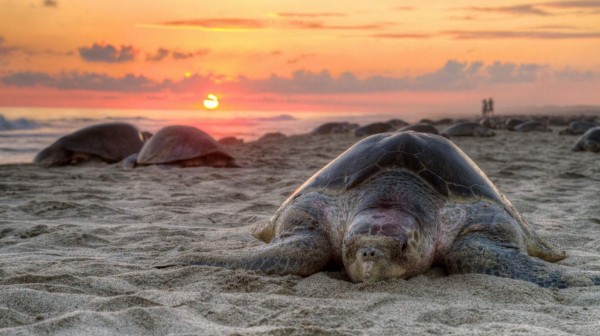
<point x="385" y="243"/>
<point x="57" y="156"/>
<point x="374" y="258"/>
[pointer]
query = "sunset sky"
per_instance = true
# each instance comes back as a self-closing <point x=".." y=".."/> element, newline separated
<point x="299" y="55"/>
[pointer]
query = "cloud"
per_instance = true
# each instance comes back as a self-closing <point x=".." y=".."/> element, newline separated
<point x="50" y="3"/>
<point x="319" y="25"/>
<point x="541" y="9"/>
<point x="183" y="55"/>
<point x="82" y="81"/>
<point x="574" y="4"/>
<point x="556" y="26"/>
<point x="309" y="15"/>
<point x="163" y="53"/>
<point x="544" y="35"/>
<point x="513" y="73"/>
<point x="28" y="79"/>
<point x="160" y="55"/>
<point x="6" y="49"/>
<point x="454" y="75"/>
<point x="577" y="76"/>
<point x="300" y="58"/>
<point x="514" y="10"/>
<point x="286" y="21"/>
<point x="107" y="53"/>
<point x="549" y="32"/>
<point x="219" y="23"/>
<point x="402" y="36"/>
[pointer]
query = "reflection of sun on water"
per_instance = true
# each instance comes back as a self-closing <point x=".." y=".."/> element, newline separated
<point x="211" y="102"/>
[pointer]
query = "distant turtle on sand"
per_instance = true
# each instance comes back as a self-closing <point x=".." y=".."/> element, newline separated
<point x="110" y="142"/>
<point x="578" y="127"/>
<point x="334" y="128"/>
<point x="531" y="126"/>
<point x="271" y="137"/>
<point x="589" y="141"/>
<point x="374" y="128"/>
<point x="184" y="146"/>
<point x="421" y="128"/>
<point x="511" y="123"/>
<point x="470" y="129"/>
<point x="490" y="123"/>
<point x="444" y="121"/>
<point x="230" y="141"/>
<point x="397" y="123"/>
<point x="559" y="121"/>
<point x="393" y="206"/>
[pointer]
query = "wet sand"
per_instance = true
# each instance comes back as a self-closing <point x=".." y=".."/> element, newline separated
<point x="77" y="245"/>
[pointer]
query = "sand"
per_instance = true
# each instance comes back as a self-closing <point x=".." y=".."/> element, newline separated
<point x="77" y="245"/>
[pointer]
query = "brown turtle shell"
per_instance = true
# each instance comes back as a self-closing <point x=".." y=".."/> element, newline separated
<point x="179" y="143"/>
<point x="111" y="142"/>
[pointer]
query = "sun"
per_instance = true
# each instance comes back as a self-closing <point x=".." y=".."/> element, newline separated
<point x="211" y="102"/>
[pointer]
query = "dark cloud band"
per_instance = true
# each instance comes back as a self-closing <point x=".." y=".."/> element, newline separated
<point x="452" y="76"/>
<point x="107" y="53"/>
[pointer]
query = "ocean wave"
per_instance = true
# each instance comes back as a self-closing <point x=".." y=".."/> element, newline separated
<point x="18" y="150"/>
<point x="32" y="135"/>
<point x="17" y="124"/>
<point x="99" y="119"/>
<point x="281" y="117"/>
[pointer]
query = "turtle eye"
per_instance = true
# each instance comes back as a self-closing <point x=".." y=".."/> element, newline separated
<point x="404" y="246"/>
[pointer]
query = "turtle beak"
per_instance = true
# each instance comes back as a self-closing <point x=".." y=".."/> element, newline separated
<point x="367" y="268"/>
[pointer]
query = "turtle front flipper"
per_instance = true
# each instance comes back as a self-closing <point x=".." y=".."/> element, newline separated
<point x="480" y="253"/>
<point x="302" y="254"/>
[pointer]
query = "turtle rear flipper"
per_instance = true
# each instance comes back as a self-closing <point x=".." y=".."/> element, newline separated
<point x="480" y="253"/>
<point x="302" y="254"/>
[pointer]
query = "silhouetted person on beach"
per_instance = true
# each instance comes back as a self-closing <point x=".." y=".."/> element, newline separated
<point x="487" y="108"/>
<point x="484" y="108"/>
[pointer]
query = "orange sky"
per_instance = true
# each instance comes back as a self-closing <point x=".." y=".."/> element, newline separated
<point x="294" y="55"/>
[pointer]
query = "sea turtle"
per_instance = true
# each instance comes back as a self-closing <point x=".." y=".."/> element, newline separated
<point x="511" y="123"/>
<point x="490" y="123"/>
<point x="589" y="141"/>
<point x="334" y="127"/>
<point x="272" y="137"/>
<point x="110" y="142"/>
<point x="184" y="146"/>
<point x="421" y="127"/>
<point x="578" y="127"/>
<point x="559" y="120"/>
<point x="397" y="123"/>
<point x="444" y="121"/>
<point x="374" y="128"/>
<point x="468" y="128"/>
<point x="393" y="206"/>
<point x="231" y="141"/>
<point x="531" y="126"/>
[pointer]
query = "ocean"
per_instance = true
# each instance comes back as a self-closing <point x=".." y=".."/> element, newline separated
<point x="25" y="131"/>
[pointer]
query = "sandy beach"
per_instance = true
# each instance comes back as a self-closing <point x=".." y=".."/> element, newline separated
<point x="78" y="245"/>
